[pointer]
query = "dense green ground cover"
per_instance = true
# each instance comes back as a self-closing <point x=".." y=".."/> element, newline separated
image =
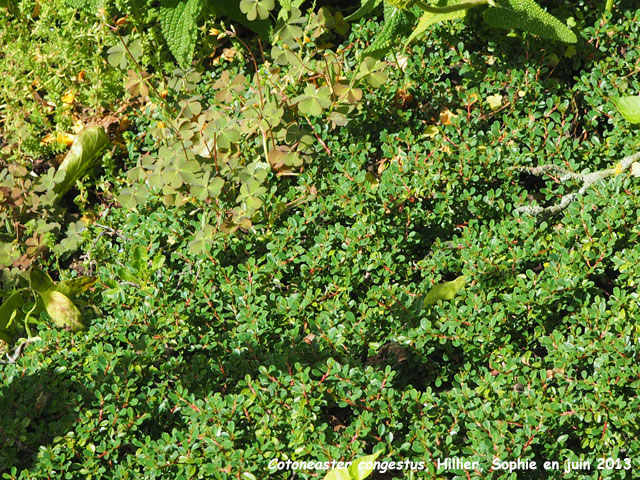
<point x="307" y="338"/>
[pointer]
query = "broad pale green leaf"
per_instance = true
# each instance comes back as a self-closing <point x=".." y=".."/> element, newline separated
<point x="87" y="147"/>
<point x="62" y="310"/>
<point x="527" y="15"/>
<point x="9" y="308"/>
<point x="338" y="474"/>
<point x="178" y="21"/>
<point x="359" y="469"/>
<point x="445" y="291"/>
<point x="75" y="286"/>
<point x="39" y="280"/>
<point x="366" y="7"/>
<point x="629" y="108"/>
<point x="429" y="18"/>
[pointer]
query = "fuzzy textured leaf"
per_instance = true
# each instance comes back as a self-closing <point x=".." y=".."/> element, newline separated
<point x="396" y="23"/>
<point x="527" y="15"/>
<point x="89" y="6"/>
<point x="178" y="22"/>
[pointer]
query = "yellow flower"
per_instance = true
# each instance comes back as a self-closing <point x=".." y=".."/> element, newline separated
<point x="618" y="169"/>
<point x="68" y="98"/>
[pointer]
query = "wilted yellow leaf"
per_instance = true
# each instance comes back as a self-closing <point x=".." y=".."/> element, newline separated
<point x="431" y="131"/>
<point x="68" y="98"/>
<point x="446" y="115"/>
<point x="48" y="138"/>
<point x="229" y="53"/>
<point x="494" y="101"/>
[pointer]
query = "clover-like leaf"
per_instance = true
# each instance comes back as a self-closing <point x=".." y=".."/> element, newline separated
<point x="256" y="8"/>
<point x="132" y="197"/>
<point x="314" y="100"/>
<point x="201" y="240"/>
<point x="372" y="71"/>
<point x="117" y="55"/>
<point x="136" y="84"/>
<point x="227" y="87"/>
<point x="205" y="187"/>
<point x="494" y="101"/>
<point x="347" y="93"/>
<point x="291" y="32"/>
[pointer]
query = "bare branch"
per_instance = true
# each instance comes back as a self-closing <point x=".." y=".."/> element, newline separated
<point x="587" y="179"/>
<point x="14" y="357"/>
